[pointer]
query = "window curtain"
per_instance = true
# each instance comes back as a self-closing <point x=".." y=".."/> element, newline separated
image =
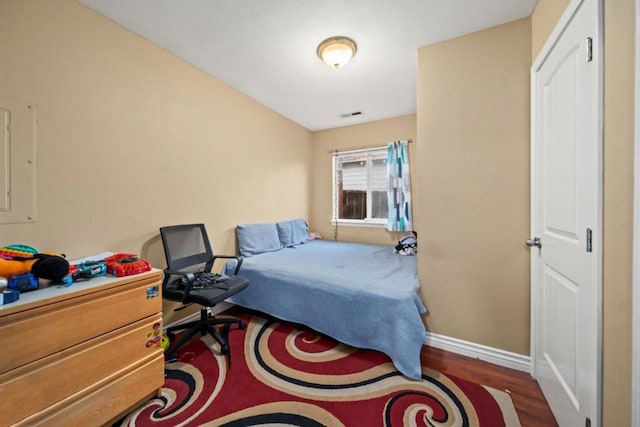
<point x="399" y="187"/>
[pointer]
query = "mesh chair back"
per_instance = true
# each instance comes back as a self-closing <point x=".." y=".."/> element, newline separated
<point x="187" y="250"/>
<point x="187" y="247"/>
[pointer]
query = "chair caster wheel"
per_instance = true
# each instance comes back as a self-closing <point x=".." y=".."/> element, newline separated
<point x="242" y="325"/>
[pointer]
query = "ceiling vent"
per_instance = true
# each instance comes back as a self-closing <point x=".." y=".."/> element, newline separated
<point x="355" y="113"/>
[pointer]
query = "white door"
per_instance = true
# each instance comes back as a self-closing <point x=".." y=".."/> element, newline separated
<point x="566" y="218"/>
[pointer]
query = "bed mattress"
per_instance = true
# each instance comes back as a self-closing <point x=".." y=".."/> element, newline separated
<point x="363" y="295"/>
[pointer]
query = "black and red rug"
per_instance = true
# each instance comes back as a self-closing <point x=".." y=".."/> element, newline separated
<point x="283" y="374"/>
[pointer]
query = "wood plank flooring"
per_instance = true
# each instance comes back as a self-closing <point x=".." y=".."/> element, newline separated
<point x="527" y="397"/>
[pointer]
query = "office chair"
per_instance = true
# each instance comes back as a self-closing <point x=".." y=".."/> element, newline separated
<point x="189" y="257"/>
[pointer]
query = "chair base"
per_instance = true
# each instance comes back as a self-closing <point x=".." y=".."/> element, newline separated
<point x="205" y="325"/>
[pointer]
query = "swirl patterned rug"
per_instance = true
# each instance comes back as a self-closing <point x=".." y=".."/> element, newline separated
<point x="287" y="375"/>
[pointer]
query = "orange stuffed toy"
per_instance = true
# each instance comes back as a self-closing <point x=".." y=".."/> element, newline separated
<point x="21" y="259"/>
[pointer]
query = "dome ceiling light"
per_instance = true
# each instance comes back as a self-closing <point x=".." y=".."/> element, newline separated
<point x="336" y="52"/>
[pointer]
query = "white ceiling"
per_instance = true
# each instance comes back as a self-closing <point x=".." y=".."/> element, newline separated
<point x="267" y="48"/>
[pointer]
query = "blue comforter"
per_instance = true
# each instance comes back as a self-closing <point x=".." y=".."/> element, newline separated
<point x="360" y="294"/>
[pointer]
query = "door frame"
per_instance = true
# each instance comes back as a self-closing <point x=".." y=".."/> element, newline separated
<point x="598" y="57"/>
<point x="635" y="376"/>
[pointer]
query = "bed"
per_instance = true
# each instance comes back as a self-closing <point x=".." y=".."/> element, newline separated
<point x="363" y="295"/>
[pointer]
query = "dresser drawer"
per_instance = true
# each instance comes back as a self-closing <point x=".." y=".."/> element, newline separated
<point x="29" y="335"/>
<point x="77" y="370"/>
<point x="106" y="403"/>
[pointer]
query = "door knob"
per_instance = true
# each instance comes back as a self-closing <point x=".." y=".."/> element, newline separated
<point x="536" y="241"/>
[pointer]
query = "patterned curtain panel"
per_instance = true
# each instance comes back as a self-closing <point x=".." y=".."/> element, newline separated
<point x="399" y="187"/>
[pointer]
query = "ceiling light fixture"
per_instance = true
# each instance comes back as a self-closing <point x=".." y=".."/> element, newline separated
<point x="337" y="51"/>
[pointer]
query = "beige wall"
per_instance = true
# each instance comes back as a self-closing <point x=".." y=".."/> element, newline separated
<point x="373" y="133"/>
<point x="543" y="20"/>
<point x="473" y="173"/>
<point x="618" y="209"/>
<point x="130" y="138"/>
<point x="618" y="194"/>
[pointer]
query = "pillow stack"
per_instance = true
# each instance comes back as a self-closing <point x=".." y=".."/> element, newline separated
<point x="254" y="239"/>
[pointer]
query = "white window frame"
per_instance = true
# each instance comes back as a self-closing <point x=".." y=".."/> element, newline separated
<point x="367" y="222"/>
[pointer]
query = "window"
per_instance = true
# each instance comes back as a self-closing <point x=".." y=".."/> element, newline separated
<point x="360" y="186"/>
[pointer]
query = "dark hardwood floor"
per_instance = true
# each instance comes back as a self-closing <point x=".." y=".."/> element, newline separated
<point x="527" y="397"/>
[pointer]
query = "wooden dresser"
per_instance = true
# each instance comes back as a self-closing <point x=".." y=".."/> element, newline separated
<point x="83" y="354"/>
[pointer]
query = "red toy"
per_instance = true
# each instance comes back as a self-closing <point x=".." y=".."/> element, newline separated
<point x="126" y="264"/>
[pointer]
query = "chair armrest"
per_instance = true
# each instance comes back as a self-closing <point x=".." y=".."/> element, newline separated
<point x="239" y="260"/>
<point x="190" y="279"/>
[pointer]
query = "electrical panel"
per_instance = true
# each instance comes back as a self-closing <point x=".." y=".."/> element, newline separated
<point x="18" y="124"/>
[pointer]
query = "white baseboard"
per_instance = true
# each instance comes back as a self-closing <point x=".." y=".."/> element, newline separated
<point x="479" y="351"/>
<point x="218" y="308"/>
